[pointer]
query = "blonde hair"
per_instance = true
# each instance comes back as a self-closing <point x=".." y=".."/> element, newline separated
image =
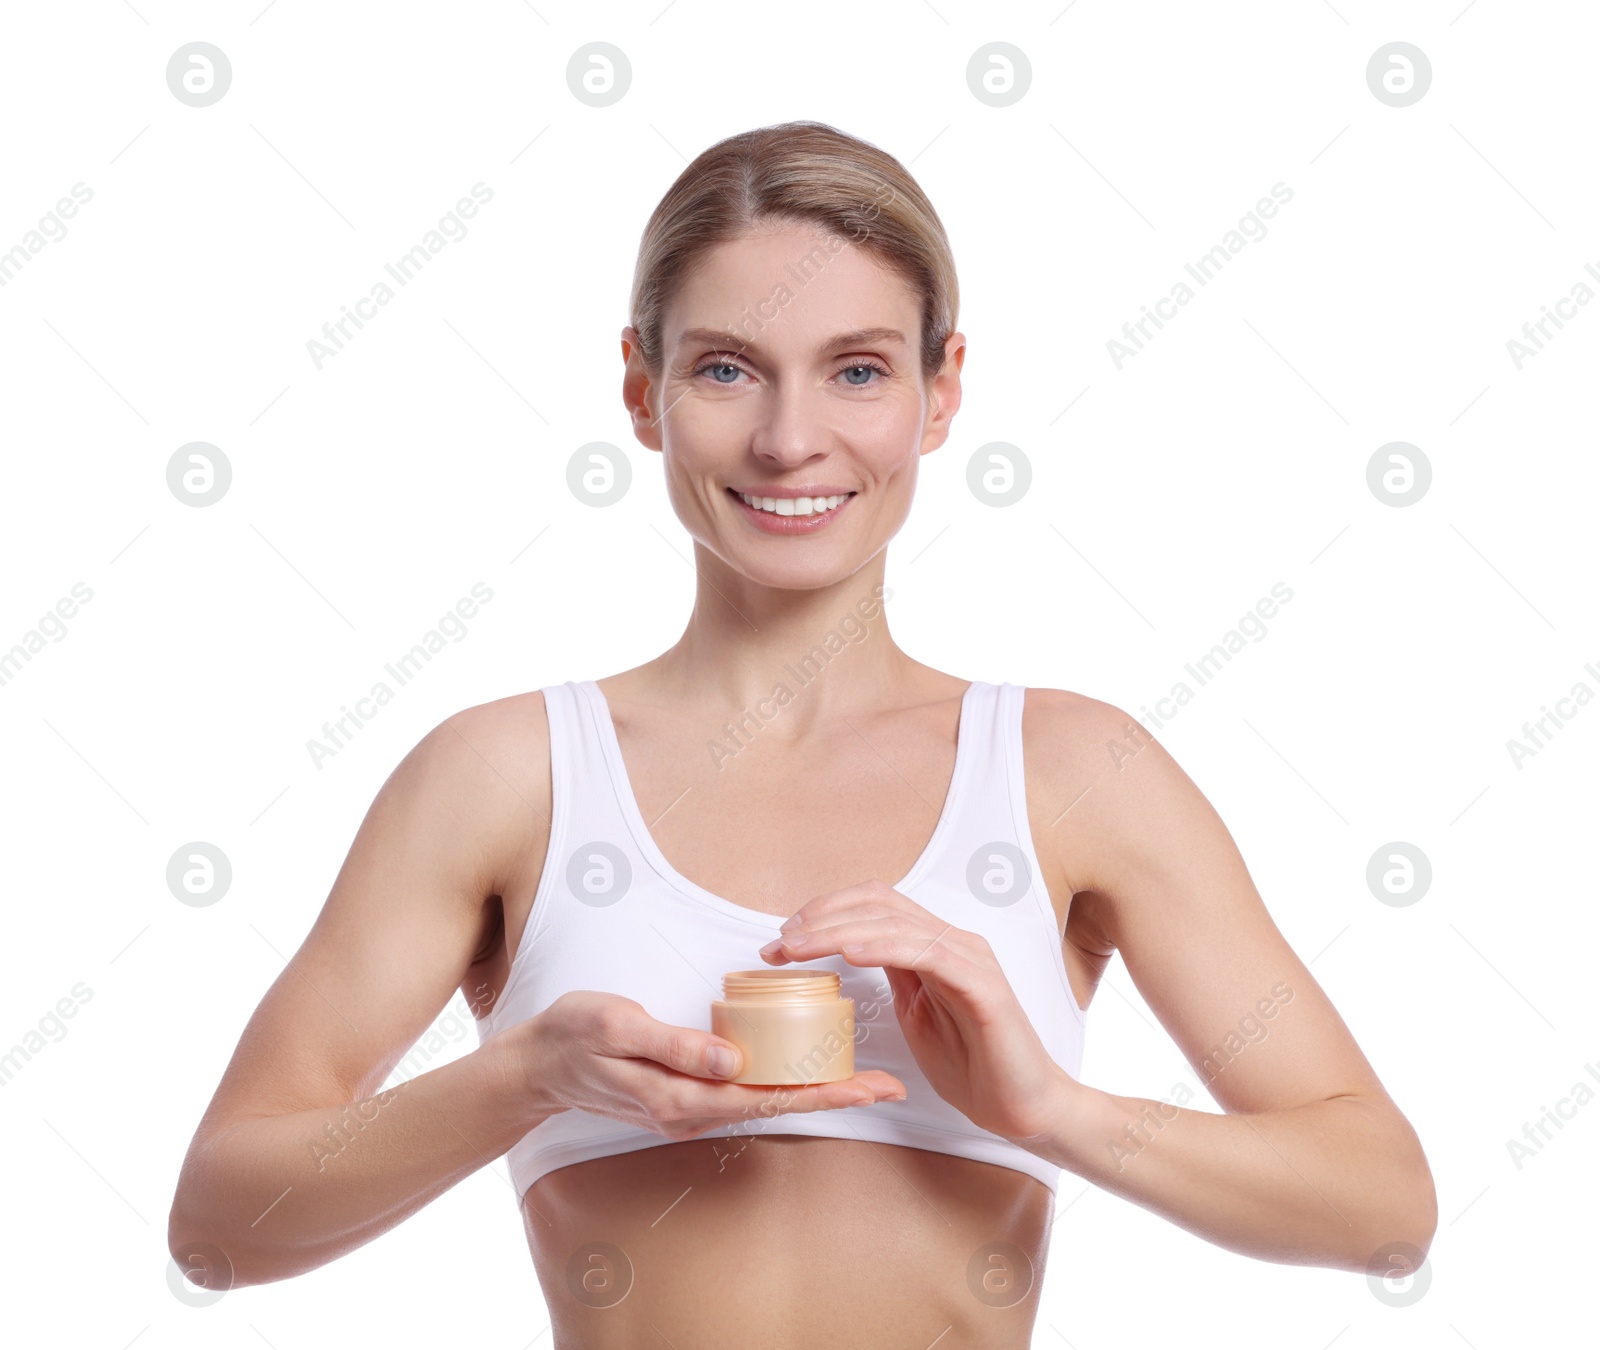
<point x="802" y="172"/>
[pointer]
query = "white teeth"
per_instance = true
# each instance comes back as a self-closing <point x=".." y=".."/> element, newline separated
<point x="794" y="506"/>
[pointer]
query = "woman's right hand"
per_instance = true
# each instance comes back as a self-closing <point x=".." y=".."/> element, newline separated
<point x="603" y="1053"/>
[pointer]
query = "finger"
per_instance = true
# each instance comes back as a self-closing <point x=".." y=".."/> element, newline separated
<point x="820" y="938"/>
<point x="931" y="957"/>
<point x="826" y="939"/>
<point x="882" y="897"/>
<point x="686" y="1049"/>
<point x="823" y="937"/>
<point x="884" y="1084"/>
<point x="866" y="1088"/>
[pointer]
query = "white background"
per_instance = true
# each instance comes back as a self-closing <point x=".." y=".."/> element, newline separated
<point x="1168" y="497"/>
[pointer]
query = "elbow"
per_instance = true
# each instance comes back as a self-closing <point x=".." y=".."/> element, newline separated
<point x="1388" y="1234"/>
<point x="1405" y="1215"/>
<point x="209" y="1255"/>
<point x="1427" y="1210"/>
<point x="204" y="1262"/>
<point x="1410" y="1219"/>
<point x="209" y="1261"/>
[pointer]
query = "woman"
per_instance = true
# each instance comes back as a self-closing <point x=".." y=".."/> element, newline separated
<point x="792" y="356"/>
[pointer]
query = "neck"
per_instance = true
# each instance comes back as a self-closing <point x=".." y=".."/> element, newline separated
<point x="808" y="655"/>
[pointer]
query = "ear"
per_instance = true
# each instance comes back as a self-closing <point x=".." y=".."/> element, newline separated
<point x="944" y="393"/>
<point x="639" y="392"/>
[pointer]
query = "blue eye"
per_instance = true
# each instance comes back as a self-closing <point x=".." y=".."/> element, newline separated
<point x="864" y="366"/>
<point x="734" y="372"/>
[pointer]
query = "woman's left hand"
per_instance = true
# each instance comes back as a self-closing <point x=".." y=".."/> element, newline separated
<point x="960" y="1016"/>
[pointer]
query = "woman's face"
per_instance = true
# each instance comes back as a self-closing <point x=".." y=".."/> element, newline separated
<point x="790" y="365"/>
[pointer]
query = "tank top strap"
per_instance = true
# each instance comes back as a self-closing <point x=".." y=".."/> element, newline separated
<point x="987" y="795"/>
<point x="575" y="759"/>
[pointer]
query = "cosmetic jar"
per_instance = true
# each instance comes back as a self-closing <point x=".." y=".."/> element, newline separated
<point x="792" y="1026"/>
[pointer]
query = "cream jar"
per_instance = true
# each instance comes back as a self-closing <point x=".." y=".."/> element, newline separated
<point x="792" y="1026"/>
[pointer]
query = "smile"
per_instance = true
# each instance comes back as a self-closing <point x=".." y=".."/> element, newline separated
<point x="790" y="515"/>
<point x="793" y="506"/>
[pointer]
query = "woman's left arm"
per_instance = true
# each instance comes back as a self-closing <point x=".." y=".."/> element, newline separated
<point x="1313" y="1163"/>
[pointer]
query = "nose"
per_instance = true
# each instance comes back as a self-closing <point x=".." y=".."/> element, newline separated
<point x="788" y="430"/>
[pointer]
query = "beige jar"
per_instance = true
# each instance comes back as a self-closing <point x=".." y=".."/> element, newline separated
<point x="791" y="1025"/>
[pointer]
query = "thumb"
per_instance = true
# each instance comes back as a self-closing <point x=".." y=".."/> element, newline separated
<point x="694" y="1052"/>
<point x="722" y="1058"/>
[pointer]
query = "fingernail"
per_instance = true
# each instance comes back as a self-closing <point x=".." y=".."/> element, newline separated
<point x="790" y="922"/>
<point x="723" y="1061"/>
<point x="772" y="947"/>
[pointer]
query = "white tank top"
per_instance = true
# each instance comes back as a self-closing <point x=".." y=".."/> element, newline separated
<point x="658" y="938"/>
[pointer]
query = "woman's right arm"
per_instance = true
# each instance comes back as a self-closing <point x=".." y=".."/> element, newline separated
<point x="300" y="1158"/>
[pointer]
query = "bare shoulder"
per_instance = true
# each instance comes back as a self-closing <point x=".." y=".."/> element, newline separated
<point x="1073" y="742"/>
<point x="498" y="755"/>
<point x="1100" y="787"/>
<point x="1062" y="723"/>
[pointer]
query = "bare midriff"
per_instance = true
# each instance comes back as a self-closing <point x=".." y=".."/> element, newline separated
<point x="788" y="1242"/>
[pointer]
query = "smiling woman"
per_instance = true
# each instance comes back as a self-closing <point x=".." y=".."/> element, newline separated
<point x="575" y="857"/>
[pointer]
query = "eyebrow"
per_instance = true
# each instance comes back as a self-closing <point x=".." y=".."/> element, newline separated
<point x="727" y="341"/>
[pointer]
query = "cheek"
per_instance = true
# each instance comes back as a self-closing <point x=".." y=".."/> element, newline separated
<point x="701" y="429"/>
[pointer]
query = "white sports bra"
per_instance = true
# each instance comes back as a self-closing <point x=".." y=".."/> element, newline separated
<point x="666" y="942"/>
